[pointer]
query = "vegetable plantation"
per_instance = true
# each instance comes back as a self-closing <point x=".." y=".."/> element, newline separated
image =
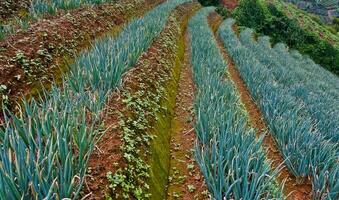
<point x="142" y="99"/>
<point x="45" y="148"/>
<point x="308" y="151"/>
<point x="39" y="7"/>
<point x="229" y="156"/>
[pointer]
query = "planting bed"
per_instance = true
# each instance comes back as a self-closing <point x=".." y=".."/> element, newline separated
<point x="291" y="188"/>
<point x="229" y="156"/>
<point x="288" y="72"/>
<point x="67" y="121"/>
<point x="307" y="153"/>
<point x="43" y="53"/>
<point x="19" y="15"/>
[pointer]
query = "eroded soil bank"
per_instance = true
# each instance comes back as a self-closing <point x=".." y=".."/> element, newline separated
<point x="43" y="53"/>
<point x="292" y="190"/>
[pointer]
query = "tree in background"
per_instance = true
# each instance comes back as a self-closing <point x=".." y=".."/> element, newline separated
<point x="209" y="2"/>
<point x="336" y="24"/>
<point x="266" y="19"/>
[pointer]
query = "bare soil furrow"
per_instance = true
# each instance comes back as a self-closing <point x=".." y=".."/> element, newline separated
<point x="107" y="155"/>
<point x="185" y="179"/>
<point x="143" y="106"/>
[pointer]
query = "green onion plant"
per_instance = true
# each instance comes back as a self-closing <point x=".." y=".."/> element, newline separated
<point x="311" y="85"/>
<point x="229" y="154"/>
<point x="45" y="147"/>
<point x="309" y="153"/>
<point x="40" y="7"/>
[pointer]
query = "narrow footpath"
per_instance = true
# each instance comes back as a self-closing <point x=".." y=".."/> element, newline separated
<point x="185" y="180"/>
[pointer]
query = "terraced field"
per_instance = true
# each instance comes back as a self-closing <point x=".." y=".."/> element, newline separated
<point x="142" y="99"/>
<point x="309" y="22"/>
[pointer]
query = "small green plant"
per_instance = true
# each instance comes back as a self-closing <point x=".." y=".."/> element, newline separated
<point x="176" y="195"/>
<point x="24" y="63"/>
<point x="190" y="167"/>
<point x="3" y="88"/>
<point x="3" y="94"/>
<point x="191" y="188"/>
<point x="142" y="106"/>
<point x="22" y="23"/>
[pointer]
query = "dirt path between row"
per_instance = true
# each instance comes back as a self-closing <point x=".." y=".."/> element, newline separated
<point x="185" y="180"/>
<point x="156" y="70"/>
<point x="292" y="190"/>
<point x="107" y="155"/>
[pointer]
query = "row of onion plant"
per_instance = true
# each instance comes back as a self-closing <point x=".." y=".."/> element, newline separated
<point x="308" y="84"/>
<point x="307" y="152"/>
<point x="229" y="154"/>
<point x="39" y="7"/>
<point x="324" y="109"/>
<point x="44" y="148"/>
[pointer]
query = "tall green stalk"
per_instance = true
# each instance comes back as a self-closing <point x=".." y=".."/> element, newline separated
<point x="274" y="86"/>
<point x="230" y="157"/>
<point x="44" y="149"/>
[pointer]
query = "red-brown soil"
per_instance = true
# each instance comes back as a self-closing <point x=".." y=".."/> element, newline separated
<point x="54" y="41"/>
<point x="107" y="156"/>
<point x="11" y="8"/>
<point x="186" y="180"/>
<point x="291" y="188"/>
<point x="230" y="4"/>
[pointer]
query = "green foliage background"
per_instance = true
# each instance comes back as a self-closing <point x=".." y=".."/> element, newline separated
<point x="209" y="2"/>
<point x="268" y="20"/>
